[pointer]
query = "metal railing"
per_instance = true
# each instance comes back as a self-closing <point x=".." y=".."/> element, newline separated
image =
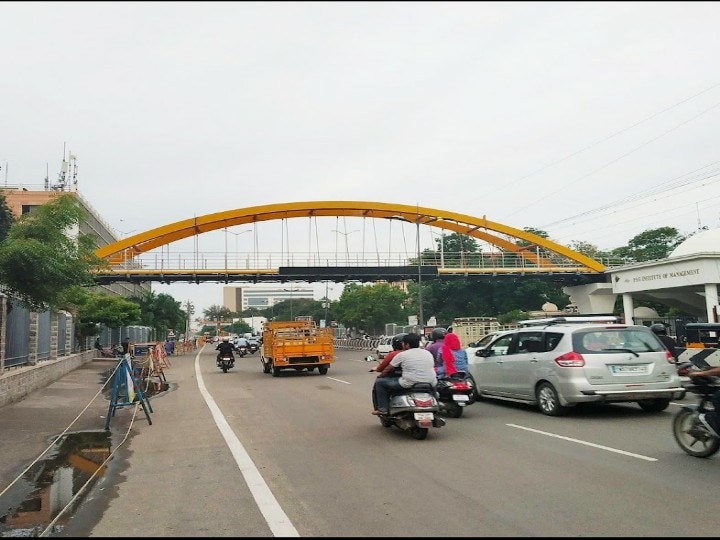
<point x="219" y="261"/>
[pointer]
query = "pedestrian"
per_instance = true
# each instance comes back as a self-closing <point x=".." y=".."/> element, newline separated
<point x="126" y="344"/>
<point x="98" y="346"/>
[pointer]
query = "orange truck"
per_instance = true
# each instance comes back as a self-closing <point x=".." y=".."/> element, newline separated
<point x="298" y="345"/>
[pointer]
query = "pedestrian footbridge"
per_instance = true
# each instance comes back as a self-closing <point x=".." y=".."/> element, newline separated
<point x="172" y="252"/>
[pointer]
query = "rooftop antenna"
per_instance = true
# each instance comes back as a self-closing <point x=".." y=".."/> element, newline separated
<point x="697" y="209"/>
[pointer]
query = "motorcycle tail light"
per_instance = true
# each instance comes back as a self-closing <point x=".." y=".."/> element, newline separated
<point x="461" y="386"/>
<point x="429" y="402"/>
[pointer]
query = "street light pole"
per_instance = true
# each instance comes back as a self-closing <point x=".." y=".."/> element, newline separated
<point x="347" y="252"/>
<point x="236" y="240"/>
<point x="419" y="261"/>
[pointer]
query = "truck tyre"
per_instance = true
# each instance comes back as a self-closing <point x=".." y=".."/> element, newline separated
<point x="275" y="370"/>
<point x="323" y="370"/>
<point x="266" y="365"/>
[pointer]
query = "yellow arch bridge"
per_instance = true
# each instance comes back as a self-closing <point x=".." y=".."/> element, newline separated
<point x="146" y="256"/>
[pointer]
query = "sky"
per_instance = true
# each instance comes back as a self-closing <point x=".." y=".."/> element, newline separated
<point x="592" y="121"/>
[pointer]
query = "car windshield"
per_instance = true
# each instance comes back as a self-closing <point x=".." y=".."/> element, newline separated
<point x="484" y="341"/>
<point x="605" y="340"/>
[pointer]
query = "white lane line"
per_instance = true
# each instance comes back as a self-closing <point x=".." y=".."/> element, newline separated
<point x="338" y="380"/>
<point x="601" y="447"/>
<point x="275" y="517"/>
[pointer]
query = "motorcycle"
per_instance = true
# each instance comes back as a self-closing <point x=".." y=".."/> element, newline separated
<point x="225" y="362"/>
<point x="455" y="392"/>
<point x="241" y="350"/>
<point x="413" y="409"/>
<point x="690" y="434"/>
<point x="253" y="348"/>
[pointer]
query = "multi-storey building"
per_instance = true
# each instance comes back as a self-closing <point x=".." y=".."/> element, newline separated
<point x="239" y="299"/>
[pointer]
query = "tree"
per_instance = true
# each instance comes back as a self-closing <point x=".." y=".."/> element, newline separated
<point x="649" y="245"/>
<point x="91" y="309"/>
<point x="161" y="312"/>
<point x="218" y="313"/>
<point x="40" y="258"/>
<point x="370" y="307"/>
<point x="6" y="217"/>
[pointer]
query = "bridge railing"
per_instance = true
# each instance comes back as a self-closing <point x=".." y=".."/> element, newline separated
<point x="265" y="260"/>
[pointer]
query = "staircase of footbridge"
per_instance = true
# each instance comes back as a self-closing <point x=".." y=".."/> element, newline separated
<point x="403" y="242"/>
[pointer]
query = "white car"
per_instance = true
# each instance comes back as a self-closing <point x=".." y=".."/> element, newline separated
<point x="384" y="346"/>
<point x="482" y="343"/>
<point x="556" y="366"/>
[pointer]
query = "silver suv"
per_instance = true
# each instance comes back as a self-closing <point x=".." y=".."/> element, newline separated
<point x="558" y="364"/>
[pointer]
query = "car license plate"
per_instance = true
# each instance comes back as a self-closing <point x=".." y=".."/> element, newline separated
<point x="424" y="416"/>
<point x="629" y="370"/>
<point x="461" y="397"/>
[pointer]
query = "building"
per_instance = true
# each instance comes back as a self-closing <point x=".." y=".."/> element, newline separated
<point x="22" y="199"/>
<point x="239" y="299"/>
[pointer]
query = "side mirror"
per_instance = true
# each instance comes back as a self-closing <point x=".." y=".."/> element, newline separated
<point x="484" y="353"/>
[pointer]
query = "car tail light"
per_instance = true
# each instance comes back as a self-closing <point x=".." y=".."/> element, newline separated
<point x="669" y="357"/>
<point x="570" y="359"/>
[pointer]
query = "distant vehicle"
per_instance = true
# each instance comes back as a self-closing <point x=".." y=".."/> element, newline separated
<point x="557" y="364"/>
<point x="482" y="343"/>
<point x="384" y="347"/>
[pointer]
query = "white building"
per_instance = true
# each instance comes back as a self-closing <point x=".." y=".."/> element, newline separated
<point x="239" y="299"/>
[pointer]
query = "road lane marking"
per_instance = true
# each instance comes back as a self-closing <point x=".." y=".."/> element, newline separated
<point x="338" y="380"/>
<point x="274" y="515"/>
<point x="601" y="447"/>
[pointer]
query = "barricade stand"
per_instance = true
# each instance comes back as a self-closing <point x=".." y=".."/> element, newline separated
<point x="126" y="391"/>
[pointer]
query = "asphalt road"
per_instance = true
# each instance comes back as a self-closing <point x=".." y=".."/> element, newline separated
<point x="248" y="454"/>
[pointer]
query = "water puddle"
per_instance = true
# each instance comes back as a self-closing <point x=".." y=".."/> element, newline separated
<point x="44" y="491"/>
<point x="34" y="501"/>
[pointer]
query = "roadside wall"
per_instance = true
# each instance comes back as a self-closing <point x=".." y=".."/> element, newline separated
<point x="18" y="383"/>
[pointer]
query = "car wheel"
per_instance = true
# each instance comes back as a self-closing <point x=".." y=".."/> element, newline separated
<point x="548" y="400"/>
<point x="654" y="405"/>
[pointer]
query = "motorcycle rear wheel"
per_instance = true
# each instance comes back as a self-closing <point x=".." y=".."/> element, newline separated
<point x="419" y="433"/>
<point x="454" y="410"/>
<point x="692" y="436"/>
<point x="224" y="368"/>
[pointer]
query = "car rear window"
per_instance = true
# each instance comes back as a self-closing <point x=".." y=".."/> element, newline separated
<point x="610" y="340"/>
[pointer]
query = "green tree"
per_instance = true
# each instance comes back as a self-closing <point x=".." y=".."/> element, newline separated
<point x="92" y="309"/>
<point x="40" y="258"/>
<point x="161" y="312"/>
<point x="649" y="245"/>
<point x="218" y="313"/>
<point x="370" y="307"/>
<point x="6" y="217"/>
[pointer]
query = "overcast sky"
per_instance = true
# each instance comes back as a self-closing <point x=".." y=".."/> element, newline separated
<point x="593" y="121"/>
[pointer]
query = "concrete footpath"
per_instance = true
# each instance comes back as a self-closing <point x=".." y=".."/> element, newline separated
<point x="161" y="481"/>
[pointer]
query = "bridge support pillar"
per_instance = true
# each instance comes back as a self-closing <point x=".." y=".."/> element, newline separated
<point x="592" y="298"/>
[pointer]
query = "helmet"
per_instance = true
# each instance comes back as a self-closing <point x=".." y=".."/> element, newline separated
<point x="658" y="328"/>
<point x="438" y="333"/>
<point x="226" y="338"/>
<point x="396" y="342"/>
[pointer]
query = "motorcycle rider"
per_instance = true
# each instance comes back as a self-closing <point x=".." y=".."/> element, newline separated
<point x="417" y="367"/>
<point x="225" y="347"/>
<point x="397" y="346"/>
<point x="438" y="340"/>
<point x="454" y="357"/>
<point x="710" y="419"/>
<point x="660" y="331"/>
